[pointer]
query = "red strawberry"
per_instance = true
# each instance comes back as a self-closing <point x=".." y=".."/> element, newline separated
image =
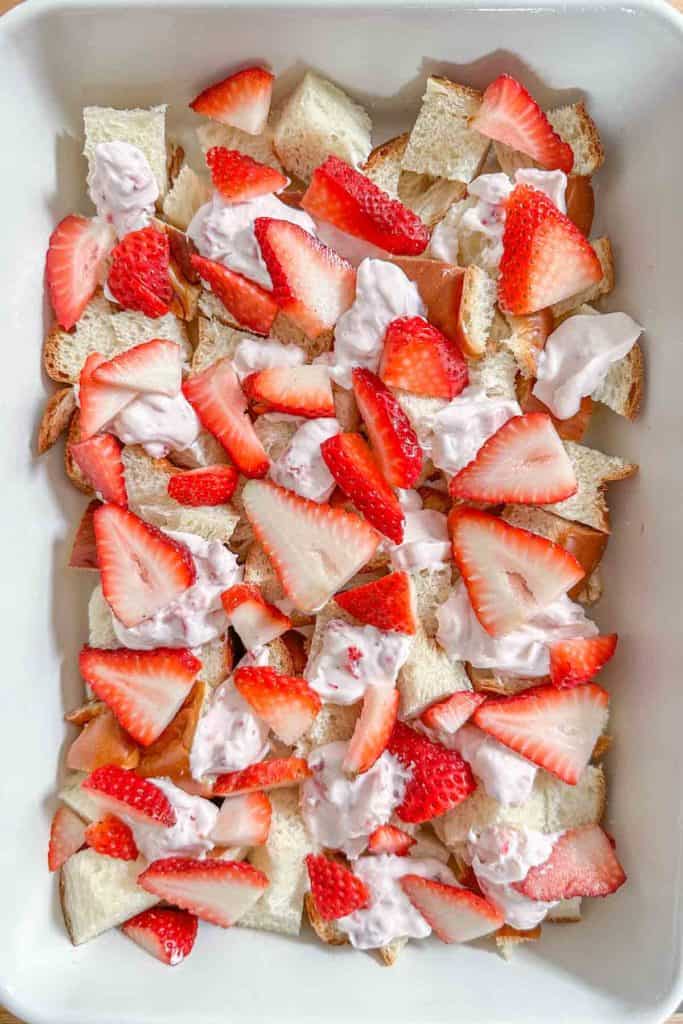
<point x="354" y="204"/>
<point x="274" y="774"/>
<point x="582" y="863"/>
<point x="243" y="820"/>
<point x="510" y="573"/>
<point x="524" y="462"/>
<point x="255" y="620"/>
<point x="241" y="100"/>
<point x="237" y="177"/>
<point x="389" y="839"/>
<point x="75" y="265"/>
<point x="166" y="933"/>
<point x="286" y="703"/>
<point x="144" y="689"/>
<point x="219" y="402"/>
<point x="372" y="729"/>
<point x="455" y="914"/>
<point x="440" y="779"/>
<point x="387" y="603"/>
<point x="139" y="277"/>
<point x="84" y="550"/>
<point x="545" y="257"/>
<point x="142" y="569"/>
<point x="555" y="729"/>
<point x="219" y="891"/>
<point x="312" y="285"/>
<point x="207" y="486"/>
<point x="112" y="837"/>
<point x="335" y="890"/>
<point x="154" y="366"/>
<point x="314" y="549"/>
<point x="67" y="835"/>
<point x="99" y="460"/>
<point x="247" y="302"/>
<point x="573" y="662"/>
<point x="453" y="712"/>
<point x="509" y="114"/>
<point x="120" y="791"/>
<point x="393" y="439"/>
<point x="351" y="463"/>
<point x="99" y="403"/>
<point x="298" y="390"/>
<point x="419" y="358"/>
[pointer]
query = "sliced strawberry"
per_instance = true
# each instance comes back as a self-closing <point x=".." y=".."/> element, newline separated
<point x="241" y="100"/>
<point x="142" y="569"/>
<point x="219" y="891"/>
<point x="555" y="729"/>
<point x="139" y="278"/>
<point x="573" y="662"/>
<point x="247" y="302"/>
<point x="455" y="914"/>
<point x="392" y="437"/>
<point x="297" y="390"/>
<point x="417" y="357"/>
<point x="545" y="257"/>
<point x="144" y="689"/>
<point x="286" y="703"/>
<point x="67" y="836"/>
<point x="112" y="837"/>
<point x="168" y="934"/>
<point x="389" y="839"/>
<point x="99" y="403"/>
<point x="450" y="714"/>
<point x="84" y="549"/>
<point x="99" y="460"/>
<point x="119" y="791"/>
<point x="219" y="402"/>
<point x="523" y="462"/>
<point x="372" y="729"/>
<point x="354" y="204"/>
<point x="206" y="486"/>
<point x="314" y="549"/>
<point x="336" y="891"/>
<point x="255" y="620"/>
<point x="274" y="774"/>
<point x="510" y="573"/>
<point x="237" y="177"/>
<point x="582" y="863"/>
<point x="75" y="264"/>
<point x="100" y="742"/>
<point x="387" y="603"/>
<point x="509" y="114"/>
<point x="154" y="366"/>
<point x="312" y="285"/>
<point x="440" y="779"/>
<point x="243" y="820"/>
<point x="351" y="463"/>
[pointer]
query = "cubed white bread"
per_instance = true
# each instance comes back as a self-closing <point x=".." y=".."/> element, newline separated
<point x="426" y="844"/>
<point x="132" y="328"/>
<point x="188" y="192"/>
<point x="622" y="388"/>
<point x="430" y="198"/>
<point x="428" y="675"/>
<point x="383" y="166"/>
<point x="420" y="410"/>
<point x="258" y="569"/>
<point x="346" y="409"/>
<point x="258" y="147"/>
<point x="432" y="588"/>
<point x="603" y="250"/>
<point x="508" y="938"/>
<point x="286" y="331"/>
<point x="593" y="470"/>
<point x="77" y="799"/>
<point x="477" y="307"/>
<point x="592" y="590"/>
<point x="333" y="723"/>
<point x="145" y="129"/>
<point x="566" y="911"/>
<point x="216" y="340"/>
<point x="275" y="434"/>
<point x="389" y="954"/>
<point x="319" y="120"/>
<point x="442" y="143"/>
<point x="205" y="451"/>
<point x="495" y="372"/>
<point x="56" y="417"/>
<point x="575" y="126"/>
<point x="99" y="893"/>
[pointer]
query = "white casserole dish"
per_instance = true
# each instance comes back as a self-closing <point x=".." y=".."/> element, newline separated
<point x="624" y="961"/>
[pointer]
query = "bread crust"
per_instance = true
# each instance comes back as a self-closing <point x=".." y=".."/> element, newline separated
<point x="56" y="417"/>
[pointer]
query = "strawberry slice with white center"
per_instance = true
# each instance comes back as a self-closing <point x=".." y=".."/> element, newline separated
<point x="241" y="100"/>
<point x="277" y="773"/>
<point x="218" y="400"/>
<point x="243" y="820"/>
<point x="84" y="550"/>
<point x="545" y="257"/>
<point x="99" y="403"/>
<point x="336" y="891"/>
<point x="238" y="177"/>
<point x="112" y="838"/>
<point x="555" y="729"/>
<point x="351" y="463"/>
<point x="389" y="839"/>
<point x="439" y="780"/>
<point x="509" y="114"/>
<point x="372" y="729"/>
<point x="582" y="863"/>
<point x="67" y="836"/>
<point x="387" y="603"/>
<point x="154" y="366"/>
<point x="297" y="390"/>
<point x="312" y="284"/>
<point x="123" y="792"/>
<point x="250" y="305"/>
<point x="510" y="573"/>
<point x="99" y="460"/>
<point x="573" y="662"/>
<point x="392" y="437"/>
<point x="219" y="891"/>
<point x="144" y="689"/>
<point x="314" y="549"/>
<point x="75" y="265"/>
<point x="450" y="714"/>
<point x="168" y="934"/>
<point x="418" y="358"/>
<point x="207" y="486"/>
<point x="354" y="204"/>
<point x="142" y="569"/>
<point x="523" y="462"/>
<point x="255" y="620"/>
<point x="455" y="914"/>
<point x="286" y="703"/>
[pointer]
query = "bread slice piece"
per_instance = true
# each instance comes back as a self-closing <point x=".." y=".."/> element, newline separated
<point x="603" y="250"/>
<point x="328" y="932"/>
<point x="99" y="893"/>
<point x="593" y="470"/>
<point x="622" y="388"/>
<point x="442" y="143"/>
<point x="73" y="471"/>
<point x="430" y="198"/>
<point x="566" y="911"/>
<point x="145" y="129"/>
<point x="132" y="328"/>
<point x="383" y="166"/>
<point x="188" y="192"/>
<point x="56" y="417"/>
<point x="477" y="307"/>
<point x="216" y="340"/>
<point x="575" y="126"/>
<point x="508" y="938"/>
<point x="427" y="676"/>
<point x="333" y="723"/>
<point x="77" y="799"/>
<point x="432" y="588"/>
<point x="258" y="147"/>
<point x="495" y="372"/>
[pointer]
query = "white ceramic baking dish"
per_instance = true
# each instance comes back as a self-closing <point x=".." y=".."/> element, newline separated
<point x="624" y="962"/>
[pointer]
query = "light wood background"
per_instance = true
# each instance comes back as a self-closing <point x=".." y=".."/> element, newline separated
<point x="7" y="1018"/>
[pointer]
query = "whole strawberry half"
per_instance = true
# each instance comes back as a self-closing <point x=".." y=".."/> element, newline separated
<point x="139" y="278"/>
<point x="241" y="100"/>
<point x="440" y="778"/>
